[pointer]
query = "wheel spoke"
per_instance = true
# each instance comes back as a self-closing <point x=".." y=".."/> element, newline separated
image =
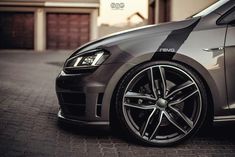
<point x="145" y="125"/>
<point x="182" y="99"/>
<point x="183" y="116"/>
<point x="161" y="102"/>
<point x="179" y="88"/>
<point x="152" y="82"/>
<point x="157" y="126"/>
<point x="163" y="80"/>
<point x="138" y="106"/>
<point x="172" y="121"/>
<point x="139" y="96"/>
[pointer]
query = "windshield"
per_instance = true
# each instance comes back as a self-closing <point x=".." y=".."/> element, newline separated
<point x="211" y="8"/>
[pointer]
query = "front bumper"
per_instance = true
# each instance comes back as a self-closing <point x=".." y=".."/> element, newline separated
<point x="80" y="122"/>
<point x="81" y="96"/>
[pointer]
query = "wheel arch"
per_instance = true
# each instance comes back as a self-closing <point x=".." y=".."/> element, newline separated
<point x="190" y="63"/>
<point x="203" y="74"/>
<point x="206" y="79"/>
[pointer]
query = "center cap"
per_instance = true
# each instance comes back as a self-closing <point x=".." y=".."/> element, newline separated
<point x="162" y="103"/>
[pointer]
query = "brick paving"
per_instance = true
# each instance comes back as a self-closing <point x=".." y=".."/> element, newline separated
<point x="28" y="119"/>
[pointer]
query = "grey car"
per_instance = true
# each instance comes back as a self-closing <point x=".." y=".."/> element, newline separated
<point x="158" y="83"/>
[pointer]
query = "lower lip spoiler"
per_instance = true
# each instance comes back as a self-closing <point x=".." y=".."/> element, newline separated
<point x="79" y="122"/>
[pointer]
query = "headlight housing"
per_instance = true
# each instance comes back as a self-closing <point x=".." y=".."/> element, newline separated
<point x="86" y="62"/>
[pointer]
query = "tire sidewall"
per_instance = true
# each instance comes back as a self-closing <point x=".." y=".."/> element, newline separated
<point x="129" y="76"/>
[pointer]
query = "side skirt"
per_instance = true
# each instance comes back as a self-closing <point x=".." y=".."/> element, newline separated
<point x="224" y="118"/>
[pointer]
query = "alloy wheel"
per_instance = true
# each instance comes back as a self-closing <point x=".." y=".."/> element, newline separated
<point x="162" y="104"/>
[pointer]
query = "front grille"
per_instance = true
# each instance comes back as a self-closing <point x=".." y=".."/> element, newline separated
<point x="73" y="98"/>
<point x="73" y="111"/>
<point x="73" y="105"/>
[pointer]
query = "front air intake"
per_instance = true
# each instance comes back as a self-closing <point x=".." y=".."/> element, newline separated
<point x="99" y="104"/>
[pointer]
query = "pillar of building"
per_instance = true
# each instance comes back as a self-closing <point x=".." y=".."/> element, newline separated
<point x="94" y="25"/>
<point x="40" y="33"/>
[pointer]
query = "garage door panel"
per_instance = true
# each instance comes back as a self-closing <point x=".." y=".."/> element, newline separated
<point x="17" y="30"/>
<point x="67" y="31"/>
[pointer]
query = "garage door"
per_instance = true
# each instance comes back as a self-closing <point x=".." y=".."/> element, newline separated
<point x="67" y="31"/>
<point x="16" y="30"/>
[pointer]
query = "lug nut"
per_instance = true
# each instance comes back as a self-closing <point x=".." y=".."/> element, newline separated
<point x="140" y="101"/>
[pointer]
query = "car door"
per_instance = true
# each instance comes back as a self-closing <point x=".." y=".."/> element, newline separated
<point x="229" y="19"/>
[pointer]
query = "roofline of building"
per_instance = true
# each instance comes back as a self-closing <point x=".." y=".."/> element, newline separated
<point x="51" y="4"/>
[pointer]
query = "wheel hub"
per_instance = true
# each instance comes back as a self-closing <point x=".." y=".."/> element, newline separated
<point x="162" y="103"/>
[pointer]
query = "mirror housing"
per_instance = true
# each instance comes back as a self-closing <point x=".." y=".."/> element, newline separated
<point x="232" y="22"/>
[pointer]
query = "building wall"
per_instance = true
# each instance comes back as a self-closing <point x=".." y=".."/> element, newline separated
<point x="40" y="11"/>
<point x="178" y="9"/>
<point x="181" y="9"/>
<point x="104" y="30"/>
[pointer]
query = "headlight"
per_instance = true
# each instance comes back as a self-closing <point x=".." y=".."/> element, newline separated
<point x="86" y="62"/>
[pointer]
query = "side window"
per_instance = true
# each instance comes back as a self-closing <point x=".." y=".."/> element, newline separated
<point x="229" y="18"/>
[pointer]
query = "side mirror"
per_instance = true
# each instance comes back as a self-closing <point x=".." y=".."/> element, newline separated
<point x="232" y="22"/>
<point x="227" y="18"/>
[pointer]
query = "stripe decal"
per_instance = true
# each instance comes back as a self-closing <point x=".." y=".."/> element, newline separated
<point x="175" y="39"/>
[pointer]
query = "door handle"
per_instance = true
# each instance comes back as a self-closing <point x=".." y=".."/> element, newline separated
<point x="213" y="49"/>
<point x="230" y="46"/>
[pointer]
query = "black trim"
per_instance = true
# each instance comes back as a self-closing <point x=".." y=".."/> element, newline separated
<point x="175" y="39"/>
<point x="218" y="22"/>
<point x="62" y="118"/>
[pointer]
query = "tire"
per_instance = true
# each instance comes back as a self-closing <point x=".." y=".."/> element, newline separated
<point x="161" y="103"/>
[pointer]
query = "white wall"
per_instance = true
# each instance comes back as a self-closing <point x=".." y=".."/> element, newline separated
<point x="104" y="30"/>
<point x="182" y="9"/>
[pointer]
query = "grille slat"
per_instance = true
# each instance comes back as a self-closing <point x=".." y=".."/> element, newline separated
<point x="73" y="111"/>
<point x="73" y="98"/>
<point x="73" y="104"/>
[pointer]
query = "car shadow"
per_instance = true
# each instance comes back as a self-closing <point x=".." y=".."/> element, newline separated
<point x="58" y="64"/>
<point x="84" y="130"/>
<point x="221" y="131"/>
<point x="216" y="134"/>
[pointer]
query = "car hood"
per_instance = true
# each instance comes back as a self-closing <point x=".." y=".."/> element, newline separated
<point x="132" y="34"/>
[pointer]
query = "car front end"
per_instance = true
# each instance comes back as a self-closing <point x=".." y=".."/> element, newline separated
<point x="81" y="85"/>
<point x="90" y="75"/>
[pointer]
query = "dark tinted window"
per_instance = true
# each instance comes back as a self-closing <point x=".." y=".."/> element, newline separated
<point x="229" y="18"/>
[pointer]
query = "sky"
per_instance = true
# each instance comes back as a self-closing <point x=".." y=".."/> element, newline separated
<point x="110" y="14"/>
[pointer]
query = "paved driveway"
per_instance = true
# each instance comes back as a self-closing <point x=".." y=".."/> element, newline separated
<point x="28" y="122"/>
